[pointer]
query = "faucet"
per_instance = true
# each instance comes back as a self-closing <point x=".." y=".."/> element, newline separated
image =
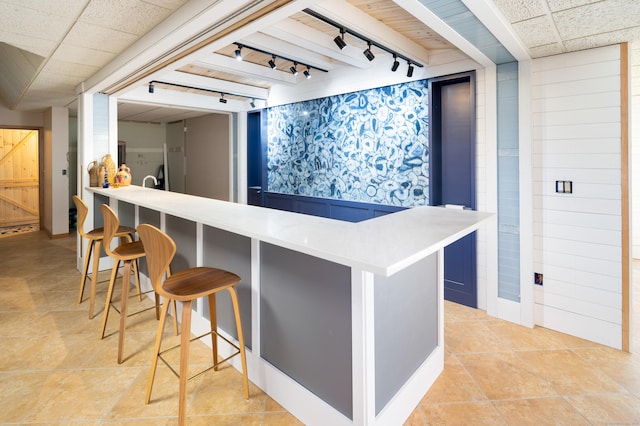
<point x="155" y="181"/>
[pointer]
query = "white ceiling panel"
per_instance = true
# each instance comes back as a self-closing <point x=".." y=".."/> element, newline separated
<point x="83" y="55"/>
<point x="610" y="16"/>
<point x="99" y="38"/>
<point x="537" y="31"/>
<point x="520" y="10"/>
<point x="118" y="14"/>
<point x="557" y="5"/>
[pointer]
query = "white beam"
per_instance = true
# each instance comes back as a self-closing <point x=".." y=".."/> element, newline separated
<point x="350" y="16"/>
<point x="215" y="84"/>
<point x="491" y="17"/>
<point x="310" y="39"/>
<point x="245" y="69"/>
<point x="427" y="17"/>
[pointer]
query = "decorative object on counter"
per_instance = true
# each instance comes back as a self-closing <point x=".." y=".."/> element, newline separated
<point x="109" y="169"/>
<point x="123" y="177"/>
<point x="94" y="173"/>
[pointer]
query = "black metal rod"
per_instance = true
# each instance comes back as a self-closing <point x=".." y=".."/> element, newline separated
<point x="207" y="90"/>
<point x="342" y="28"/>
<point x="281" y="57"/>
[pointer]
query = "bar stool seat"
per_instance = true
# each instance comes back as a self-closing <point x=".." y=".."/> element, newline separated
<point x="187" y="286"/>
<point x="94" y="238"/>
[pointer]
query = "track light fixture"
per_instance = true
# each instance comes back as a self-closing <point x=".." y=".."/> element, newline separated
<point x="239" y="52"/>
<point x="409" y="69"/>
<point x="368" y="53"/>
<point x="151" y="87"/>
<point x="272" y="61"/>
<point x="396" y="64"/>
<point x="307" y="73"/>
<point x="339" y="40"/>
<point x="222" y="99"/>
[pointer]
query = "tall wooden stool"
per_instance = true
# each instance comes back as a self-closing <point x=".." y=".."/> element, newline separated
<point x="187" y="286"/>
<point x="94" y="239"/>
<point x="128" y="253"/>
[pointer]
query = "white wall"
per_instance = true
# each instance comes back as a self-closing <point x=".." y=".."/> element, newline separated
<point x="577" y="237"/>
<point x="144" y="148"/>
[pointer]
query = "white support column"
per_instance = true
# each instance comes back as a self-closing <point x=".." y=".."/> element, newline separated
<point x="363" y="347"/>
<point x="255" y="297"/>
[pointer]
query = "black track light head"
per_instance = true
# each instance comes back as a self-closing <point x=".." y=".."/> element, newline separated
<point x="294" y="69"/>
<point x="151" y="88"/>
<point x="396" y="64"/>
<point x="368" y="53"/>
<point x="272" y="62"/>
<point x="410" y="70"/>
<point x="222" y="99"/>
<point x="239" y="52"/>
<point x="339" y="40"/>
<point x="307" y="72"/>
<point x="252" y="103"/>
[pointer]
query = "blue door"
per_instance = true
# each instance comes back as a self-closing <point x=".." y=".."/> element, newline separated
<point x="452" y="152"/>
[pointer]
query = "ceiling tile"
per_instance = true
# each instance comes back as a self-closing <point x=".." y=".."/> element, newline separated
<point x="597" y="18"/>
<point x="605" y="39"/>
<point x="67" y="8"/>
<point x="72" y="69"/>
<point x="19" y="20"/>
<point x="546" y="50"/>
<point x="131" y="16"/>
<point x="99" y="38"/>
<point x="35" y="45"/>
<point x="83" y="55"/>
<point x="536" y="32"/>
<point x="557" y="5"/>
<point x="520" y="10"/>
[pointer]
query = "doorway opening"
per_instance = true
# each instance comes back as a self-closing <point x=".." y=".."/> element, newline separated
<point x="19" y="181"/>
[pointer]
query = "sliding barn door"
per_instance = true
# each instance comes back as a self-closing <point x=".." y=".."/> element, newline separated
<point x="18" y="177"/>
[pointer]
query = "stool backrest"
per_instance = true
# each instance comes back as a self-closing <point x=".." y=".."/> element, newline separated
<point x="111" y="225"/>
<point x="159" y="250"/>
<point x="83" y="211"/>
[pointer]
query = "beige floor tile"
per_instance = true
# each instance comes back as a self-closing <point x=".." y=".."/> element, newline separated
<point x="568" y="373"/>
<point x="540" y="412"/>
<point x="222" y="392"/>
<point x="455" y="384"/>
<point x="470" y="337"/>
<point x="457" y="312"/>
<point x="86" y="395"/>
<point x="280" y="419"/>
<point x="622" y="367"/>
<point x="477" y="414"/>
<point x="21" y="395"/>
<point x="610" y="409"/>
<point x="504" y="375"/>
<point x="520" y="338"/>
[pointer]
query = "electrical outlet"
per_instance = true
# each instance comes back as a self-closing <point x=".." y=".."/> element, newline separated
<point x="537" y="278"/>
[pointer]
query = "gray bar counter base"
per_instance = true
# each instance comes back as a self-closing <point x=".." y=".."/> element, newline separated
<point x="339" y="330"/>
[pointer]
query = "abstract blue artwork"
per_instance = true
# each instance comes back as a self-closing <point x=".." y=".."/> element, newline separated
<point x="370" y="146"/>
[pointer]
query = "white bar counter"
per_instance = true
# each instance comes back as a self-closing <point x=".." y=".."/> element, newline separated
<point x="345" y="319"/>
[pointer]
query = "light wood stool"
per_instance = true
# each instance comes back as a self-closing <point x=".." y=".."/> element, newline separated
<point x="187" y="286"/>
<point x="94" y="239"/>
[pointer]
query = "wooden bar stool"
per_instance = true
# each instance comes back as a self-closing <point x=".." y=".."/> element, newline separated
<point x="94" y="239"/>
<point x="187" y="286"/>
<point x="128" y="253"/>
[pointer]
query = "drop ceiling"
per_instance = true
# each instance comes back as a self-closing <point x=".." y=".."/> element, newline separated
<point x="50" y="50"/>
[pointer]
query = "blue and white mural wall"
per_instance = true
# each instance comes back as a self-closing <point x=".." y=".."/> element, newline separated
<point x="370" y="146"/>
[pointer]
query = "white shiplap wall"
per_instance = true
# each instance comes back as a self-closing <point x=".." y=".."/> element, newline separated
<point x="577" y="237"/>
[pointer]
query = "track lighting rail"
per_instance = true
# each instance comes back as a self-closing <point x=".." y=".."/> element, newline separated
<point x="274" y="56"/>
<point x="221" y="93"/>
<point x="347" y="30"/>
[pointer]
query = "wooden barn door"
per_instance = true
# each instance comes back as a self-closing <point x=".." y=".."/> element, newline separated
<point x="18" y="177"/>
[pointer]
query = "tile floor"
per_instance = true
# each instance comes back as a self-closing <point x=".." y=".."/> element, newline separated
<point x="55" y="370"/>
